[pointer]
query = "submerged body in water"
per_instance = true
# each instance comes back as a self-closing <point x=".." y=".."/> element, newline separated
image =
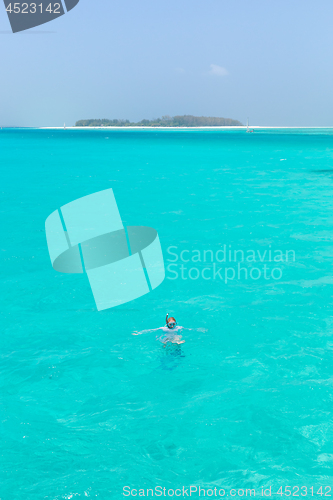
<point x="171" y="336"/>
<point x="172" y="342"/>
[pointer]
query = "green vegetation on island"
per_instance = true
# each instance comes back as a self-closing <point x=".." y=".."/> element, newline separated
<point x="165" y="121"/>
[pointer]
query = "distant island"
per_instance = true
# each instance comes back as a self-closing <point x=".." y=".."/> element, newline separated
<point x="165" y="121"/>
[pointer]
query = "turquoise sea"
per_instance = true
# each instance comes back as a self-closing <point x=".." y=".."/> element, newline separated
<point x="87" y="408"/>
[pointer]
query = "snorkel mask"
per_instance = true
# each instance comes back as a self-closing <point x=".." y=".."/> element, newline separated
<point x="171" y="323"/>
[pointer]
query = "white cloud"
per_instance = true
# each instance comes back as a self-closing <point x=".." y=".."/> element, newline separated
<point x="218" y="70"/>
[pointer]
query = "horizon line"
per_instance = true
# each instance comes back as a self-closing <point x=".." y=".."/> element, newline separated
<point x="220" y="127"/>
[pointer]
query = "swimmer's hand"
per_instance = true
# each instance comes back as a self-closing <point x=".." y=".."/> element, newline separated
<point x="146" y="331"/>
<point x="177" y="340"/>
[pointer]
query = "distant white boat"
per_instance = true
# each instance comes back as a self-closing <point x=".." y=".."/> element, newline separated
<point x="248" y="130"/>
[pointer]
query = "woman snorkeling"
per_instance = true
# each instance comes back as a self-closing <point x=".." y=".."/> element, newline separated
<point x="171" y="336"/>
<point x="170" y="332"/>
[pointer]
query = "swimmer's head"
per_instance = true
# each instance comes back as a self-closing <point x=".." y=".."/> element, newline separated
<point x="170" y="322"/>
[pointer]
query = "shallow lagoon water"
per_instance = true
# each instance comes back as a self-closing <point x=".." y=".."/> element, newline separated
<point x="88" y="408"/>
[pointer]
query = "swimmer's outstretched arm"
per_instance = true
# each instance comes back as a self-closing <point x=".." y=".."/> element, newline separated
<point x="147" y="331"/>
<point x="203" y="330"/>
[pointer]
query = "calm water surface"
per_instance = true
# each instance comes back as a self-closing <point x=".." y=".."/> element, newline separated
<point x="246" y="402"/>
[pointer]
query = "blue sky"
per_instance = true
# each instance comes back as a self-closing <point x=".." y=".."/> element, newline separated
<point x="269" y="60"/>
